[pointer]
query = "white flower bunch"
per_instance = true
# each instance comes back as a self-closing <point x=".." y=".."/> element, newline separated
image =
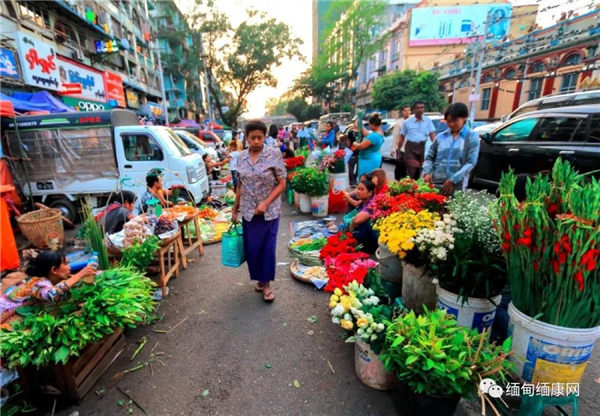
<point x="367" y="327"/>
<point x="474" y="214"/>
<point x="436" y="242"/>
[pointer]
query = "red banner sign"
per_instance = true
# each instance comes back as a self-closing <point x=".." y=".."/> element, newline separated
<point x="114" y="88"/>
<point x="69" y="89"/>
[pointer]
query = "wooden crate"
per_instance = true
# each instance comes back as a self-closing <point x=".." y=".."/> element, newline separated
<point x="76" y="378"/>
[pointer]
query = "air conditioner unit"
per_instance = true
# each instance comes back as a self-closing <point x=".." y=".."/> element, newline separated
<point x="78" y="55"/>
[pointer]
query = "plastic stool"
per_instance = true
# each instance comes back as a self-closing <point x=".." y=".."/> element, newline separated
<point x="534" y="405"/>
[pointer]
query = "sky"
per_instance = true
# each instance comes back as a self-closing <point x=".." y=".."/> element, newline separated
<point x="298" y="15"/>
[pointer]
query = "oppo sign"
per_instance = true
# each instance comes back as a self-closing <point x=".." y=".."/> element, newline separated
<point x="89" y="106"/>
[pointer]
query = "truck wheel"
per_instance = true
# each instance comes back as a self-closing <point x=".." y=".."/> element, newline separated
<point x="66" y="207"/>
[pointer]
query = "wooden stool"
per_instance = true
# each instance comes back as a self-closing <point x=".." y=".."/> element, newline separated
<point x="187" y="242"/>
<point x="169" y="265"/>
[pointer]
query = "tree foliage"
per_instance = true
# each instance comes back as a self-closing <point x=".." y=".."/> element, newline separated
<point x="296" y="106"/>
<point x="240" y="59"/>
<point x="391" y="91"/>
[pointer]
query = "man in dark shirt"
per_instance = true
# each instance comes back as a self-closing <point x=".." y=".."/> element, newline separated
<point x="119" y="211"/>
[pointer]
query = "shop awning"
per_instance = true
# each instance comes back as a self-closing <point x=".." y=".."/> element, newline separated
<point x="37" y="101"/>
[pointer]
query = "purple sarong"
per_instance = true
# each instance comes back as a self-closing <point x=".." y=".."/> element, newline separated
<point x="260" y="245"/>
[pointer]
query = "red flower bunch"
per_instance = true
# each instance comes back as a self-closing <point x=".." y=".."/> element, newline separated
<point x="432" y="201"/>
<point x="293" y="162"/>
<point x="382" y="205"/>
<point x="337" y="244"/>
<point x="291" y="175"/>
<point x="345" y="268"/>
<point x="339" y="154"/>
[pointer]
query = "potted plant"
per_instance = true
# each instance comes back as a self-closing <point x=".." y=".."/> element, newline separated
<point x="317" y="189"/>
<point x="465" y="259"/>
<point x="439" y="362"/>
<point x="300" y="185"/>
<point x="551" y="242"/>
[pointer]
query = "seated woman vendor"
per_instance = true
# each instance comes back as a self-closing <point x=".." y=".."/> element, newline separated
<point x="378" y="177"/>
<point x="48" y="278"/>
<point x="361" y="224"/>
<point x="118" y="212"/>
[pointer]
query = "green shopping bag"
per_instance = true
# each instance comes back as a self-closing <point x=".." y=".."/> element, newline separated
<point x="232" y="247"/>
<point x="349" y="217"/>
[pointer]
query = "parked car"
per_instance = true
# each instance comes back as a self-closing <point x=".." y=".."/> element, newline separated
<point x="531" y="143"/>
<point x="554" y="101"/>
<point x="207" y="136"/>
<point x="196" y="145"/>
<point x="312" y="124"/>
<point x="343" y="120"/>
<point x="486" y="127"/>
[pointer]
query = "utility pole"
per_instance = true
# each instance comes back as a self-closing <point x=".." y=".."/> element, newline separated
<point x="523" y="82"/>
<point x="206" y="81"/>
<point x="480" y="45"/>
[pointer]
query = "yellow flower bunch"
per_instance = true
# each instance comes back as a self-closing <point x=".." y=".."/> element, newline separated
<point x="397" y="231"/>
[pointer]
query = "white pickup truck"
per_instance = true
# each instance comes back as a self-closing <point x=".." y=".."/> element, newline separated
<point x="61" y="157"/>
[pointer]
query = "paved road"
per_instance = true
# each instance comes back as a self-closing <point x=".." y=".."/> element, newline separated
<point x="215" y="362"/>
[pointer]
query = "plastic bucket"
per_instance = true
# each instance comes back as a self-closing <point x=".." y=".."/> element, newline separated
<point x="370" y="370"/>
<point x="417" y="289"/>
<point x="338" y="183"/>
<point x="304" y="203"/>
<point x="296" y="200"/>
<point x="390" y="266"/>
<point x="545" y="353"/>
<point x="319" y="205"/>
<point x="474" y="313"/>
<point x="218" y="190"/>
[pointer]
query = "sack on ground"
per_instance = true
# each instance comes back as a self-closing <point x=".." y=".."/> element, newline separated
<point x="232" y="247"/>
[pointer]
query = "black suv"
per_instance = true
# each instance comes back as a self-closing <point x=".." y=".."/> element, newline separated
<point x="531" y="143"/>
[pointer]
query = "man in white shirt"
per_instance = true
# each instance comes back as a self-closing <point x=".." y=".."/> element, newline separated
<point x="398" y="152"/>
<point x="415" y="132"/>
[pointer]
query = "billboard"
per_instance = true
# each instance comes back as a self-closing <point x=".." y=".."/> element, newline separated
<point x="457" y="24"/>
<point x="114" y="88"/>
<point x="8" y="64"/>
<point x="92" y="81"/>
<point x="38" y="62"/>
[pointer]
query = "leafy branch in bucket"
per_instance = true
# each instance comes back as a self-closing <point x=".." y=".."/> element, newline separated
<point x="140" y="255"/>
<point x="52" y="333"/>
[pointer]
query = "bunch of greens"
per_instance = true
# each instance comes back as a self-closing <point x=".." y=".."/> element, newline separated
<point x="95" y="237"/>
<point x="370" y="325"/>
<point x="316" y="182"/>
<point x="551" y="242"/>
<point x="474" y="266"/>
<point x="51" y="333"/>
<point x="140" y="255"/>
<point x="410" y="186"/>
<point x="300" y="180"/>
<point x="317" y="244"/>
<point x="434" y="356"/>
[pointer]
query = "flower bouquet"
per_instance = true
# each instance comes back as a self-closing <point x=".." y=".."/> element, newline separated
<point x="466" y="255"/>
<point x="382" y="205"/>
<point x="410" y="186"/>
<point x="347" y="267"/>
<point x="338" y="244"/>
<point x="299" y="180"/>
<point x="316" y="182"/>
<point x="551" y="242"/>
<point x="334" y="162"/>
<point x="294" y="162"/>
<point x="344" y="304"/>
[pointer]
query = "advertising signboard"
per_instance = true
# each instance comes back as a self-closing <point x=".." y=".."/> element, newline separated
<point x="8" y="64"/>
<point x="114" y="88"/>
<point x="133" y="100"/>
<point x="38" y="62"/>
<point x="85" y="105"/>
<point x="92" y="81"/>
<point x="457" y="24"/>
<point x="157" y="110"/>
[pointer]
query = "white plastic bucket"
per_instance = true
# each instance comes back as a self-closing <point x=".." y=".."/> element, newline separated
<point x="304" y="203"/>
<point x="370" y="370"/>
<point x="475" y="313"/>
<point x="545" y="353"/>
<point x="417" y="288"/>
<point x="319" y="205"/>
<point x="218" y="190"/>
<point x="390" y="266"/>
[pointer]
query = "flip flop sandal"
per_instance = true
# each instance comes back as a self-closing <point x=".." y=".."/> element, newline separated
<point x="258" y="287"/>
<point x="268" y="295"/>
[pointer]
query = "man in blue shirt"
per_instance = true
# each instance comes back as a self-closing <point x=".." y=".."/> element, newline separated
<point x="453" y="154"/>
<point x="415" y="131"/>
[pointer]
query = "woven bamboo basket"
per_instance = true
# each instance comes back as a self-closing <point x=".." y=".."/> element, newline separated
<point x="42" y="227"/>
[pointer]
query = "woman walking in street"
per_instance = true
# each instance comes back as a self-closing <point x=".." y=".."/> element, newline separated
<point x="261" y="180"/>
<point x="453" y="154"/>
<point x="369" y="157"/>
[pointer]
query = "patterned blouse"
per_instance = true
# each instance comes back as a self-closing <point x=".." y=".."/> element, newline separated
<point x="258" y="181"/>
<point x="37" y="288"/>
